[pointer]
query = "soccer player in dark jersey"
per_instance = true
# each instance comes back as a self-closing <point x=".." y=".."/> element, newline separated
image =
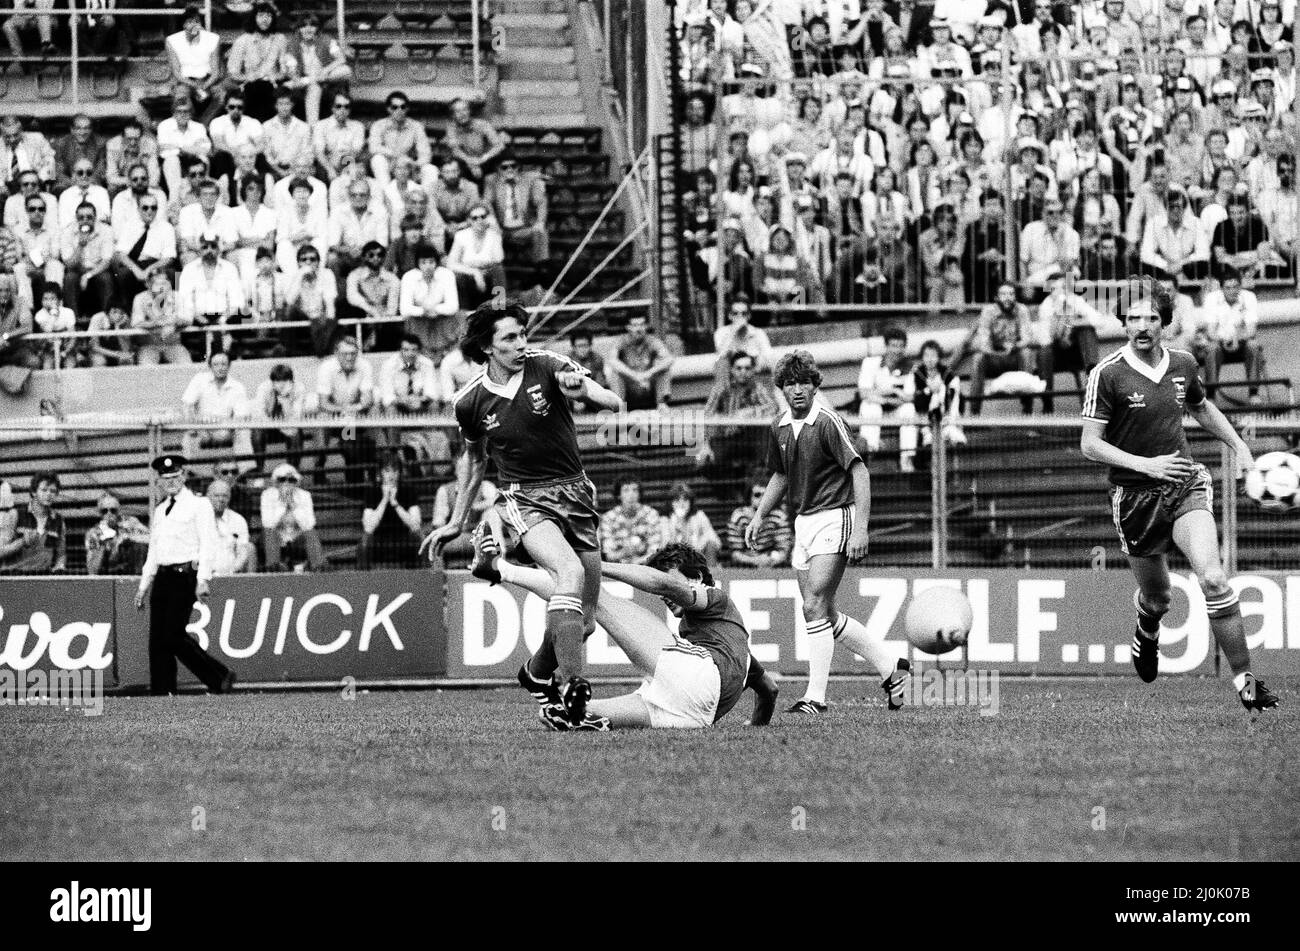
<point x="1133" y="422"/>
<point x="816" y="469"/>
<point x="693" y="677"/>
<point x="517" y="409"/>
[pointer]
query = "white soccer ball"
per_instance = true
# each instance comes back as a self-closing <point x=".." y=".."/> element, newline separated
<point x="938" y="620"/>
<point x="1274" y="482"/>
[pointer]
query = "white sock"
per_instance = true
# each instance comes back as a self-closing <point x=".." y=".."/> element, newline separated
<point x="536" y="580"/>
<point x="853" y="635"/>
<point x="821" y="646"/>
<point x="1239" y="681"/>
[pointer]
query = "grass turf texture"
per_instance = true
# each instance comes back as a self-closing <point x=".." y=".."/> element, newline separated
<point x="1180" y="769"/>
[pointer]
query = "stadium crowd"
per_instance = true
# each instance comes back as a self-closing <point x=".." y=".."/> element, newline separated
<point x="1005" y="153"/>
<point x="244" y="205"/>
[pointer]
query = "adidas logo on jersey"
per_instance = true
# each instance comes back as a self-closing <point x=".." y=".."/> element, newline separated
<point x="1137" y="400"/>
<point x="490" y="422"/>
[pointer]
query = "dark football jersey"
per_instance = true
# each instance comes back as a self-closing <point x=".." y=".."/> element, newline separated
<point x="1142" y="406"/>
<point x="815" y="455"/>
<point x="526" y="422"/>
<point x="717" y="627"/>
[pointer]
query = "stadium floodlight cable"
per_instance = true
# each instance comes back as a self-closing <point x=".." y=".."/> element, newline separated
<point x="598" y="307"/>
<point x="632" y="171"/>
<point x="627" y="239"/>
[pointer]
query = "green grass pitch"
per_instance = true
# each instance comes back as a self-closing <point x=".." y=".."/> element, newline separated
<point x="1180" y="770"/>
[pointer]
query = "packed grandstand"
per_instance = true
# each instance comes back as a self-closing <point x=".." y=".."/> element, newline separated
<point x="226" y="219"/>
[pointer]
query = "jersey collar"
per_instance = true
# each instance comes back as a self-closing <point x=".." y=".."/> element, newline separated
<point x="1153" y="373"/>
<point x="506" y="390"/>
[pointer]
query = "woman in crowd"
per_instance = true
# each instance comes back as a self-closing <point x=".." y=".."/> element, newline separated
<point x="687" y="524"/>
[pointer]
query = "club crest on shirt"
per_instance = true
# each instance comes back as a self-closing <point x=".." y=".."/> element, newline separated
<point x="490" y="422"/>
<point x="1137" y="400"/>
<point x="541" y="405"/>
<point x="1180" y="389"/>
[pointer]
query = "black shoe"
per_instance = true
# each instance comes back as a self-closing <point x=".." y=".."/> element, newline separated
<point x="806" y="706"/>
<point x="552" y="714"/>
<point x="574" y="697"/>
<point x="1146" y="656"/>
<point x="544" y="692"/>
<point x="482" y="562"/>
<point x="896" y="683"/>
<point x="1255" y="696"/>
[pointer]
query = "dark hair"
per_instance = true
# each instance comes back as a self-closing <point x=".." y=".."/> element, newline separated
<point x="264" y="254"/>
<point x="283" y="92"/>
<point x="626" y="481"/>
<point x="396" y="96"/>
<point x="192" y="12"/>
<point x="740" y="355"/>
<point x="281" y="372"/>
<point x="52" y="288"/>
<point x="932" y="345"/>
<point x="411" y="338"/>
<point x="482" y="325"/>
<point x="306" y="249"/>
<point x="681" y="490"/>
<point x="424" y="250"/>
<point x="46" y="476"/>
<point x="370" y="247"/>
<point x="797" y="367"/>
<point x="895" y="333"/>
<point x="251" y="181"/>
<point x="580" y="334"/>
<point x="685" y="559"/>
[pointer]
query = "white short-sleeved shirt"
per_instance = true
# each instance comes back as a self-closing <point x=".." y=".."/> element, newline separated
<point x="195" y="58"/>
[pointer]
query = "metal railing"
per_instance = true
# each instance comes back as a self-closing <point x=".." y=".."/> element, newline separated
<point x="1012" y="493"/>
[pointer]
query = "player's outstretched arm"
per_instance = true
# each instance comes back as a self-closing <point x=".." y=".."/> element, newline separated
<point x="468" y="481"/>
<point x="1212" y="420"/>
<point x="578" y="386"/>
<point x="765" y="691"/>
<point x="652" y="581"/>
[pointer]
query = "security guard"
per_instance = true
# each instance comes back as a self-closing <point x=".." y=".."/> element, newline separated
<point x="183" y="543"/>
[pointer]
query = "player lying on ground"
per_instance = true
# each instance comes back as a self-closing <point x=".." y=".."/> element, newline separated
<point x="1133" y="422"/>
<point x="693" y="678"/>
<point x="818" y="472"/>
<point x="518" y="409"/>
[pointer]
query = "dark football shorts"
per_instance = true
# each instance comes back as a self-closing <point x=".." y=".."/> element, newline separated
<point x="1144" y="517"/>
<point x="569" y="503"/>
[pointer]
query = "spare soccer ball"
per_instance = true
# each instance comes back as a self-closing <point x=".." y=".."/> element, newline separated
<point x="1274" y="482"/>
<point x="938" y="620"/>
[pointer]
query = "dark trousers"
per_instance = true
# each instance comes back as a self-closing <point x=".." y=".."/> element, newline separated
<point x="171" y="601"/>
<point x="992" y="365"/>
<point x="387" y="552"/>
<point x="86" y="303"/>
<point x="1076" y="353"/>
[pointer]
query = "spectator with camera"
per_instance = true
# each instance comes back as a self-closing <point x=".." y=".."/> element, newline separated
<point x="117" y="544"/>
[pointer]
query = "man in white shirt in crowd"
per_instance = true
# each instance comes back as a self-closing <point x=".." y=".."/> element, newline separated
<point x="1175" y="243"/>
<point x="144" y="243"/>
<point x="337" y="134"/>
<point x="351" y="226"/>
<point x="213" y="397"/>
<point x="83" y="190"/>
<point x="230" y="133"/>
<point x="1066" y="333"/>
<point x="180" y="139"/>
<point x="205" y="217"/>
<point x="304" y="169"/>
<point x="289" y="522"/>
<point x="235" y="549"/>
<point x="345" y="386"/>
<point x="429" y="301"/>
<point x="126" y="203"/>
<point x="1231" y="322"/>
<point x="286" y="138"/>
<point x="408" y="381"/>
<point x="210" y="292"/>
<point x="885" y="387"/>
<point x="87" y="252"/>
<point x="195" y="57"/>
<point x="1047" y="246"/>
<point x="39" y="249"/>
<point x="29" y="185"/>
